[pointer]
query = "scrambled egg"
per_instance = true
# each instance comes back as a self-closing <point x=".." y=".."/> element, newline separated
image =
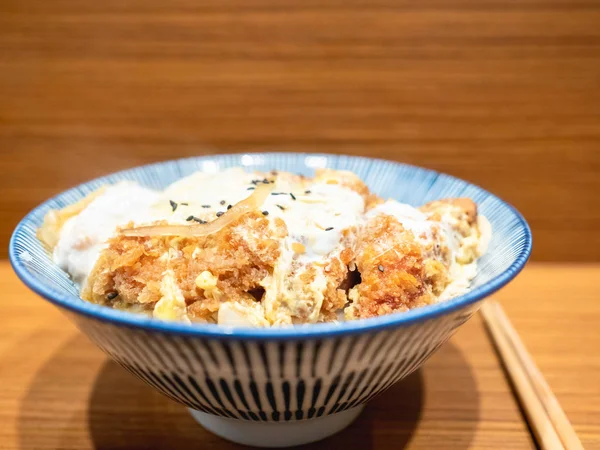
<point x="171" y="305"/>
<point x="317" y="249"/>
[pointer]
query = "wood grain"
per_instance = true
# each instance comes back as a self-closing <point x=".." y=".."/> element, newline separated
<point x="502" y="93"/>
<point x="554" y="308"/>
<point x="526" y="381"/>
<point x="59" y="391"/>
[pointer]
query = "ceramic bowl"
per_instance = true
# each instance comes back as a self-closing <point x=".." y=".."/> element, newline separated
<point x="278" y="387"/>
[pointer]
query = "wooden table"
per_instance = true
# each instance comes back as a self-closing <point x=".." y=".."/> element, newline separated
<point x="58" y="391"/>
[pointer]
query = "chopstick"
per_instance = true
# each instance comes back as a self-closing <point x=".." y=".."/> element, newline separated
<point x="547" y="419"/>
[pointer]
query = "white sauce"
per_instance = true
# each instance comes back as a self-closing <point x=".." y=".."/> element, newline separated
<point x="318" y="219"/>
<point x="203" y="193"/>
<point x="411" y="218"/>
<point x="461" y="279"/>
<point x="315" y="220"/>
<point x="83" y="237"/>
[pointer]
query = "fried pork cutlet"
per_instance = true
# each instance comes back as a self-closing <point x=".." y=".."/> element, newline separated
<point x="207" y="270"/>
<point x="406" y="258"/>
<point x="312" y="250"/>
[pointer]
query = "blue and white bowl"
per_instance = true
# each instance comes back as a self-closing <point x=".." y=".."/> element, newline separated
<point x="279" y="387"/>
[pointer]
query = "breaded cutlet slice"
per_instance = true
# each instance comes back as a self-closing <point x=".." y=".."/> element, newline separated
<point x="238" y="264"/>
<point x="400" y="271"/>
<point x="131" y="269"/>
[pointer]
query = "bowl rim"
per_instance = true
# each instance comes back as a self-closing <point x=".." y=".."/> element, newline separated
<point x="311" y="331"/>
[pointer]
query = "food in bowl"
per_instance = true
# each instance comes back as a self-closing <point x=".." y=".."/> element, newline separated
<point x="264" y="249"/>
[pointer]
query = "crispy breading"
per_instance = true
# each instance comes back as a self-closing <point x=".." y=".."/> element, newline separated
<point x="240" y="256"/>
<point x="400" y="271"/>
<point x="392" y="269"/>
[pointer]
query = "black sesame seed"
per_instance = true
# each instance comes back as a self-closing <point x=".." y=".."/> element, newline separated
<point x="229" y="207"/>
<point x="265" y="213"/>
<point x="184" y="203"/>
<point x="293" y="196"/>
<point x="199" y="220"/>
<point x="112" y="295"/>
<point x="328" y="228"/>
<point x="307" y="191"/>
<point x="189" y="218"/>
<point x="173" y="205"/>
<point x="206" y="206"/>
<point x="220" y="213"/>
<point x="265" y="181"/>
<point x="278" y="193"/>
<point x="255" y="182"/>
<point x="280" y="207"/>
<point x="222" y="202"/>
<point x="380" y="267"/>
<point x="251" y="188"/>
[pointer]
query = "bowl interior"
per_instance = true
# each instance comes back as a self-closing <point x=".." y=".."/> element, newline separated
<point x="508" y="250"/>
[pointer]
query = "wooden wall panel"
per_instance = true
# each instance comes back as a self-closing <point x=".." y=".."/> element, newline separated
<point x="505" y="94"/>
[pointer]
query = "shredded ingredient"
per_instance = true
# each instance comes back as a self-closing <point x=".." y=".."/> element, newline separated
<point x="255" y="201"/>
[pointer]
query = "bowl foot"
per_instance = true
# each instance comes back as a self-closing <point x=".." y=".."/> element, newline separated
<point x="276" y="434"/>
